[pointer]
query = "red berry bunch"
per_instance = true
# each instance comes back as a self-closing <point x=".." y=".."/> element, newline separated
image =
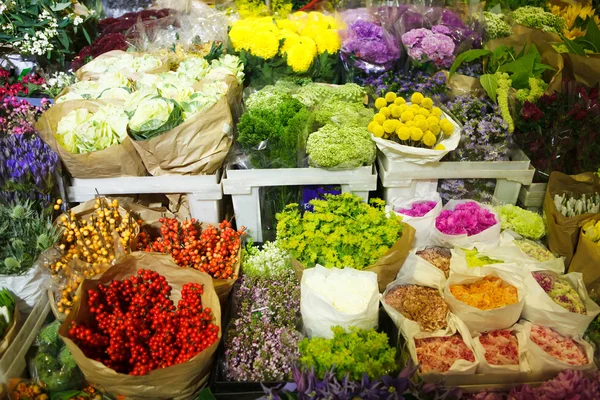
<point x="134" y="327"/>
<point x="212" y="250"/>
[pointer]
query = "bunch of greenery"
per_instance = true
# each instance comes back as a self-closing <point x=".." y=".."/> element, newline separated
<point x="355" y="353"/>
<point x="24" y="233"/>
<point x="505" y="68"/>
<point x="342" y="231"/>
<point x="584" y="45"/>
<point x="54" y="364"/>
<point x="273" y="139"/>
<point x="513" y="4"/>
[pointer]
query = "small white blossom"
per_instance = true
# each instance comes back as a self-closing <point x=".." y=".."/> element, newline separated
<point x="77" y="20"/>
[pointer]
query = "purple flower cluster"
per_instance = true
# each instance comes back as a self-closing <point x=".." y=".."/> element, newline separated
<point x="19" y="116"/>
<point x="371" y="43"/>
<point x="433" y="44"/>
<point x="458" y="189"/>
<point x="418" y="209"/>
<point x="262" y="341"/>
<point x="405" y="84"/>
<point x="28" y="168"/>
<point x="467" y="218"/>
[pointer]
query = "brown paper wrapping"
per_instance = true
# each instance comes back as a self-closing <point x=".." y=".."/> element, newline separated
<point x="119" y="160"/>
<point x="11" y="333"/>
<point x="586" y="260"/>
<point x="181" y="381"/>
<point x="388" y="265"/>
<point x="585" y="70"/>
<point x="563" y="232"/>
<point x="83" y="75"/>
<point x="150" y="221"/>
<point x="461" y="85"/>
<point x="196" y="147"/>
<point x="523" y="35"/>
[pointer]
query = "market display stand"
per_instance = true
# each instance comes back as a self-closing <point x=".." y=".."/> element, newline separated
<point x="13" y="363"/>
<point x="407" y="180"/>
<point x="532" y="196"/>
<point x="244" y="188"/>
<point x="204" y="192"/>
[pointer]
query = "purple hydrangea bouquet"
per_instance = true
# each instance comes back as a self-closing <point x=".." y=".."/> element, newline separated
<point x="424" y="45"/>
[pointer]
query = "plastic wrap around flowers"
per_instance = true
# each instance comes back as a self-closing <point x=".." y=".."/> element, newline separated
<point x="433" y="44"/>
<point x="369" y="46"/>
<point x="418" y="209"/>
<point x="468" y="218"/>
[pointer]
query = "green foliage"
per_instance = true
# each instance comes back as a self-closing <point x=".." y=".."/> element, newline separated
<point x="342" y="231"/>
<point x="355" y="352"/>
<point x="537" y="17"/>
<point x="340" y="146"/>
<point x="24" y="233"/>
<point x="589" y="43"/>
<point x="342" y="112"/>
<point x="513" y="4"/>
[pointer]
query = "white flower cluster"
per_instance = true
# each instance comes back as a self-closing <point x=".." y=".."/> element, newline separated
<point x="57" y="81"/>
<point x="269" y="262"/>
<point x="77" y="20"/>
<point x="572" y="206"/>
<point x="39" y="44"/>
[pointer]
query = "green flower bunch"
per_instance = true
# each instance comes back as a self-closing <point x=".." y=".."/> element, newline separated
<point x="342" y="231"/>
<point x="495" y="26"/>
<point x="340" y="146"/>
<point x="524" y="222"/>
<point x="537" y="17"/>
<point x="536" y="89"/>
<point x="355" y="353"/>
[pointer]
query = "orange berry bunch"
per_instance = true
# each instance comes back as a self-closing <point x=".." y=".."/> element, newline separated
<point x="212" y="250"/>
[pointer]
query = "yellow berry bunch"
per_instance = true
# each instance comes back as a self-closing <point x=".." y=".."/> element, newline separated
<point x="419" y="123"/>
<point x="89" y="245"/>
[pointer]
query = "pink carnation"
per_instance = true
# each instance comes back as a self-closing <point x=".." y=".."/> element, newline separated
<point x="468" y="218"/>
<point x="418" y="209"/>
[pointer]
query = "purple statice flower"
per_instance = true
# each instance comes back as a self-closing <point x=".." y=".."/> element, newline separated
<point x="370" y="46"/>
<point x="418" y="209"/>
<point x="467" y="218"/>
<point x="424" y="45"/>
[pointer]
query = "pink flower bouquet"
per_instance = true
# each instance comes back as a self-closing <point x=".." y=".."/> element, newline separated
<point x="418" y="209"/>
<point x="560" y="347"/>
<point x="437" y="354"/>
<point x="501" y="347"/>
<point x="467" y="218"/>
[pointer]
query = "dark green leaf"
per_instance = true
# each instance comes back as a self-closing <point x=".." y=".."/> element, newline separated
<point x="206" y="394"/>
<point x="538" y="69"/>
<point x="534" y="50"/>
<point x="490" y="84"/>
<point x="65" y="395"/>
<point x="23" y="73"/>
<point x="87" y="37"/>
<point x="520" y="65"/>
<point x="586" y="44"/>
<point x="592" y="33"/>
<point x="573" y="47"/>
<point x="468" y="56"/>
<point x="64" y="39"/>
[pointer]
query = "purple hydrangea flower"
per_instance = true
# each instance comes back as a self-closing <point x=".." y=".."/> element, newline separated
<point x="425" y="45"/>
<point x="370" y="43"/>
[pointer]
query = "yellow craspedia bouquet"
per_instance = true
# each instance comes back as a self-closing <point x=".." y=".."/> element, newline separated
<point x="418" y="123"/>
<point x="303" y="44"/>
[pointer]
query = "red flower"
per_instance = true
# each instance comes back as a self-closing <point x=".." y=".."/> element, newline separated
<point x="531" y="112"/>
<point x="548" y="100"/>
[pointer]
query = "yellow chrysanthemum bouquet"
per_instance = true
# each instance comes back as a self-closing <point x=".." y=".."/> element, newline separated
<point x="303" y="44"/>
<point x="418" y="124"/>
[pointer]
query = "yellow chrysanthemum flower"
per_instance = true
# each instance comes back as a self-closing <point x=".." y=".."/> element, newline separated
<point x="429" y="139"/>
<point x="378" y="131"/>
<point x="389" y="126"/>
<point x="290" y="40"/>
<point x="416" y="134"/>
<point x="328" y="41"/>
<point x="301" y="56"/>
<point x="264" y="44"/>
<point x="379" y="118"/>
<point x="416" y="98"/>
<point x="287" y="24"/>
<point x="240" y="36"/>
<point x="403" y="133"/>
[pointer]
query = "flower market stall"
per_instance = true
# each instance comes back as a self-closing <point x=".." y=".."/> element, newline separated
<point x="299" y="200"/>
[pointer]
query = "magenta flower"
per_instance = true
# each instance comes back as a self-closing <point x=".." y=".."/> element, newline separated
<point x="468" y="218"/>
<point x="418" y="209"/>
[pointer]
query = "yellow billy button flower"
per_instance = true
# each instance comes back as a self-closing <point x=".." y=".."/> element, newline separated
<point x="379" y="118"/>
<point x="436" y="112"/>
<point x="403" y="133"/>
<point x="389" y="126"/>
<point x="447" y="127"/>
<point x="407" y="116"/>
<point x="435" y="129"/>
<point x="378" y="131"/>
<point x="410" y="124"/>
<point x="431" y="120"/>
<point x="440" y="147"/>
<point x="422" y="125"/>
<point x="380" y="103"/>
<point x="429" y="139"/>
<point x="385" y="111"/>
<point x="399" y="101"/>
<point x="416" y="98"/>
<point x="396" y="111"/>
<point x="390" y="97"/>
<point x="372" y="125"/>
<point x="427" y="103"/>
<point x="403" y="107"/>
<point x="424" y="112"/>
<point x="416" y="134"/>
<point x="419" y="117"/>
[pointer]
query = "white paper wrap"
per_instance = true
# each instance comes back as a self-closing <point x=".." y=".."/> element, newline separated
<point x="486" y="368"/>
<point x="421" y="269"/>
<point x="540" y="361"/>
<point x="540" y="309"/>
<point x="397" y="152"/>
<point x="422" y="224"/>
<point x="458" y="264"/>
<point x="27" y="288"/>
<point x="490" y="236"/>
<point x="319" y="314"/>
<point x="486" y="320"/>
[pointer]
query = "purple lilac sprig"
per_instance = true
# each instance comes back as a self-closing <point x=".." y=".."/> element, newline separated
<point x="467" y="218"/>
<point x="424" y="45"/>
<point x="418" y="209"/>
<point x="18" y="117"/>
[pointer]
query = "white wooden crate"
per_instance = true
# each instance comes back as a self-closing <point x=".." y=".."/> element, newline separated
<point x="405" y="180"/>
<point x="13" y="362"/>
<point x="244" y="187"/>
<point x="532" y="196"/>
<point x="204" y="192"/>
